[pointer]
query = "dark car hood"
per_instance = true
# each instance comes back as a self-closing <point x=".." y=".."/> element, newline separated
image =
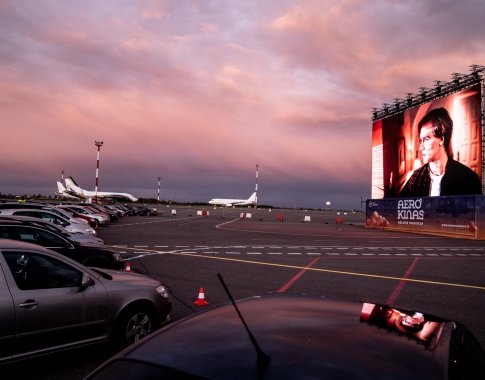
<point x="86" y="240"/>
<point x="305" y="337"/>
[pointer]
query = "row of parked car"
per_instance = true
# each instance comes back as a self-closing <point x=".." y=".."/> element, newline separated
<point x="69" y="229"/>
<point x="62" y="287"/>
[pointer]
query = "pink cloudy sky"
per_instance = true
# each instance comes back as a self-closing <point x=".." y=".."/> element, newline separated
<point x="199" y="92"/>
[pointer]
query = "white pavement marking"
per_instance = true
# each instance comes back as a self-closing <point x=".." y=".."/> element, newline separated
<point x="310" y="250"/>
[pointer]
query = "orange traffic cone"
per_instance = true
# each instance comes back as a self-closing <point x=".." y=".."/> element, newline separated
<point x="200" y="301"/>
<point x="127" y="267"/>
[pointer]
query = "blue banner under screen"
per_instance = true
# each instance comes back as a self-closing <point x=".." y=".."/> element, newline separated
<point x="458" y="216"/>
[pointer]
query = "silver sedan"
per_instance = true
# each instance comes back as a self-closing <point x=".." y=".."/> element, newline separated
<point x="50" y="303"/>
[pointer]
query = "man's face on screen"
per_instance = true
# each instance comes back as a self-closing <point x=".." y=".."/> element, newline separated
<point x="431" y="146"/>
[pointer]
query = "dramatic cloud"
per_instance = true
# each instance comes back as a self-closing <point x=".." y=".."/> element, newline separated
<point x="199" y="92"/>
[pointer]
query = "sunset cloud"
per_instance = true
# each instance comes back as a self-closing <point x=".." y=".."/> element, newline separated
<point x="200" y="92"/>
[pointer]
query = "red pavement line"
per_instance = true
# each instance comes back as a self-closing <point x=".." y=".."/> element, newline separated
<point x="392" y="298"/>
<point x="285" y="287"/>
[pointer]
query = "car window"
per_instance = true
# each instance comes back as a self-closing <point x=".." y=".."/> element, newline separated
<point x="35" y="271"/>
<point x="49" y="240"/>
<point x="24" y="213"/>
<point x="467" y="358"/>
<point x="38" y="236"/>
<point x="7" y="232"/>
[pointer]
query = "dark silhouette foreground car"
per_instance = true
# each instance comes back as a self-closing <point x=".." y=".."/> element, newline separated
<point x="300" y="337"/>
<point x="50" y="303"/>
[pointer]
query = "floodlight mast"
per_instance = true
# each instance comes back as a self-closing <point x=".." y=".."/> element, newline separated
<point x="256" y="187"/>
<point x="98" y="144"/>
<point x="158" y="193"/>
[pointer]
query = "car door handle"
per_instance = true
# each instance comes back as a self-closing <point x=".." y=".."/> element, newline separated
<point x="29" y="304"/>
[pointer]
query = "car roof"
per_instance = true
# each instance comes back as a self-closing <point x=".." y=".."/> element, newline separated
<point x="30" y="220"/>
<point x="24" y="204"/>
<point x="47" y="210"/>
<point x="17" y="245"/>
<point x="38" y="226"/>
<point x="304" y="337"/>
<point x="18" y="209"/>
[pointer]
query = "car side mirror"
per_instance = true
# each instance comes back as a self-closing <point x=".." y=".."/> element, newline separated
<point x="86" y="280"/>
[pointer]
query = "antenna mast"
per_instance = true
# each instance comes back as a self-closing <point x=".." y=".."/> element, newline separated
<point x="256" y="187"/>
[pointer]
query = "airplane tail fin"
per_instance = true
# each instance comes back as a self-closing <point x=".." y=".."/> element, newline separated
<point x="72" y="185"/>
<point x="60" y="188"/>
<point x="252" y="198"/>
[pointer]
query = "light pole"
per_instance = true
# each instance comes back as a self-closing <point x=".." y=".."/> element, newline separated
<point x="256" y="187"/>
<point x="99" y="144"/>
<point x="158" y="195"/>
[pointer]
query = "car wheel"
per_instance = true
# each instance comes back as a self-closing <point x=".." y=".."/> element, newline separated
<point x="132" y="326"/>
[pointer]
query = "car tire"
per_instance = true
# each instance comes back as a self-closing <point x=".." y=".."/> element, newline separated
<point x="133" y="325"/>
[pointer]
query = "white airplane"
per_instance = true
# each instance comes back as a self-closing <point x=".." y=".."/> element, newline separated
<point x="252" y="200"/>
<point x="62" y="191"/>
<point x="72" y="189"/>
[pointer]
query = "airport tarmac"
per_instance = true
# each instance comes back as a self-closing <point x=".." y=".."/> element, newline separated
<point x="304" y="252"/>
<point x="345" y="261"/>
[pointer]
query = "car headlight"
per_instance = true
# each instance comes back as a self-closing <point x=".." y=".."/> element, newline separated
<point x="162" y="290"/>
<point x="117" y="257"/>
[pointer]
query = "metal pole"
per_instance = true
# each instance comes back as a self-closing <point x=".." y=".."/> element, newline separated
<point x="256" y="187"/>
<point x="158" y="195"/>
<point x="99" y="144"/>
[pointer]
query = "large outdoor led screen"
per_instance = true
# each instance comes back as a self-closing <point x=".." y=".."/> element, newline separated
<point x="430" y="150"/>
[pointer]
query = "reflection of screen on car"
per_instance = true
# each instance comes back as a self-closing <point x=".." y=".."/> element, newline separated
<point x="410" y="323"/>
<point x="396" y="152"/>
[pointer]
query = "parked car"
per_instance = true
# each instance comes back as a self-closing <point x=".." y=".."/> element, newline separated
<point x="100" y="208"/>
<point x="129" y="209"/>
<point x="300" y="337"/>
<point x="76" y="236"/>
<point x="50" y="303"/>
<point x="116" y="209"/>
<point x="102" y="219"/>
<point x="10" y="205"/>
<point x="69" y="224"/>
<point x="145" y="210"/>
<point x="102" y="257"/>
<point x="93" y="222"/>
